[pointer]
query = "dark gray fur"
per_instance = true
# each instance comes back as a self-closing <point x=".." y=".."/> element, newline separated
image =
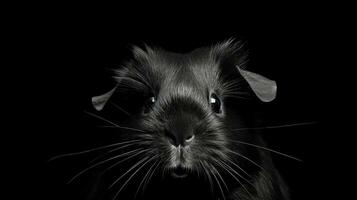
<point x="182" y="85"/>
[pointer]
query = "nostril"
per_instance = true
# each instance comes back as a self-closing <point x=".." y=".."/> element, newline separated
<point x="172" y="140"/>
<point x="189" y="138"/>
<point x="177" y="139"/>
<point x="170" y="137"/>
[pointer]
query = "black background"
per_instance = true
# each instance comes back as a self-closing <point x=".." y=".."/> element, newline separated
<point x="68" y="55"/>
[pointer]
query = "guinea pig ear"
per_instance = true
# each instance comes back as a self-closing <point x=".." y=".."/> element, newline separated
<point x="264" y="88"/>
<point x="100" y="101"/>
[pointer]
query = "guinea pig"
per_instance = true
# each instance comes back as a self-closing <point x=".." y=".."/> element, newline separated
<point x="182" y="128"/>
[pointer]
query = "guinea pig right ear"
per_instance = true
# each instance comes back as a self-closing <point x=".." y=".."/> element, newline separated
<point x="100" y="101"/>
<point x="264" y="88"/>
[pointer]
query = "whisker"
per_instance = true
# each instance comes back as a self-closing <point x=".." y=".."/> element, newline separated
<point x="128" y="128"/>
<point x="277" y="126"/>
<point x="120" y="108"/>
<point x="239" y="168"/>
<point x="149" y="178"/>
<point x="256" y="164"/>
<point x="218" y="183"/>
<point x="236" y="97"/>
<point x="116" y="149"/>
<point x="97" y="164"/>
<point x="121" y="161"/>
<point x="221" y="163"/>
<point x="208" y="175"/>
<point x="267" y="149"/>
<point x="112" y="123"/>
<point x="237" y="93"/>
<point x="235" y="83"/>
<point x="228" y="168"/>
<point x="165" y="168"/>
<point x="234" y="171"/>
<point x="126" y="182"/>
<point x="90" y="150"/>
<point x="144" y="179"/>
<point x="220" y="177"/>
<point x="131" y="168"/>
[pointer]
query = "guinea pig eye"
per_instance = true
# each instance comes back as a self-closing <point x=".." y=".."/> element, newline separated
<point x="215" y="103"/>
<point x="149" y="103"/>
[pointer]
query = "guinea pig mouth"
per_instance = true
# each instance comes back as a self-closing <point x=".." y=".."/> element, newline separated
<point x="179" y="172"/>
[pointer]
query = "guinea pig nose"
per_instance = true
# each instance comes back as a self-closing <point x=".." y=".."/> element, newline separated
<point x="189" y="138"/>
<point x="177" y="139"/>
<point x="171" y="137"/>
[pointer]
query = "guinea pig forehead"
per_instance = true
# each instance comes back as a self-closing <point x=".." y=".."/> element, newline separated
<point x="182" y="91"/>
<point x="185" y="72"/>
<point x="207" y="74"/>
<point x="181" y="82"/>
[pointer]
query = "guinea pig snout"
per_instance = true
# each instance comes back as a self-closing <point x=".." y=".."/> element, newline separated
<point x="180" y="129"/>
<point x="179" y="138"/>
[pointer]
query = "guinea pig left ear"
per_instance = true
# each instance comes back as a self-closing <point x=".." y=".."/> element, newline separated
<point x="100" y="101"/>
<point x="264" y="88"/>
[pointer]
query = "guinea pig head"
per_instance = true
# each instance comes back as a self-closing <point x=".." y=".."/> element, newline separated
<point x="181" y="104"/>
